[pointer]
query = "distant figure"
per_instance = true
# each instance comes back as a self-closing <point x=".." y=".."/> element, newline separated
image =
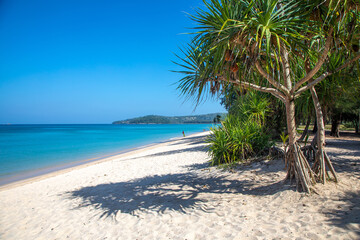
<point x="183" y="133"/>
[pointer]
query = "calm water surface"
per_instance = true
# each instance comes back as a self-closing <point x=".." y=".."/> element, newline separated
<point x="26" y="148"/>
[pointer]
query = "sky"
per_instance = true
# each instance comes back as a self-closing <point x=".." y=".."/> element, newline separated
<point x="91" y="61"/>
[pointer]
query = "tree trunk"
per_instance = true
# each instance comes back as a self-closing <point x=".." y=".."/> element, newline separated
<point x="321" y="157"/>
<point x="315" y="126"/>
<point x="325" y="116"/>
<point x="357" y="123"/>
<point x="290" y="119"/>
<point x="335" y="125"/>
<point x="295" y="161"/>
<point x="306" y="130"/>
<point x="298" y="166"/>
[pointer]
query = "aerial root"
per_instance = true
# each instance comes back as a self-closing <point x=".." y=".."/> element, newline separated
<point x="299" y="168"/>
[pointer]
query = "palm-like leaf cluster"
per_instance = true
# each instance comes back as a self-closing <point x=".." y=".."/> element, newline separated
<point x="231" y="36"/>
<point x="241" y="136"/>
<point x="280" y="47"/>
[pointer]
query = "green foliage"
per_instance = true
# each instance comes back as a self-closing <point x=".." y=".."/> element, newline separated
<point x="349" y="125"/>
<point x="253" y="105"/>
<point x="243" y="42"/>
<point x="217" y="119"/>
<point x="154" y="119"/>
<point x="306" y="139"/>
<point x="278" y="47"/>
<point x="241" y="135"/>
<point x="284" y="138"/>
<point x="264" y="108"/>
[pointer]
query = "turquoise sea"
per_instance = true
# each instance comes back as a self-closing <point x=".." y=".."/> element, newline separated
<point x="30" y="150"/>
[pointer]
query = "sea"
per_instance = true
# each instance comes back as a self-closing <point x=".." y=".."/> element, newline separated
<point x="31" y="150"/>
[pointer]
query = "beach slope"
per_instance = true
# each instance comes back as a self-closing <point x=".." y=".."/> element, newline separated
<point x="170" y="192"/>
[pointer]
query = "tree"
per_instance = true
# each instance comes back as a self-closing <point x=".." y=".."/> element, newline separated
<point x="339" y="93"/>
<point x="217" y="119"/>
<point x="259" y="45"/>
<point x="347" y="105"/>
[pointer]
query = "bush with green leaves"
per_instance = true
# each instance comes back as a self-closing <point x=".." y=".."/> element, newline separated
<point x="242" y="134"/>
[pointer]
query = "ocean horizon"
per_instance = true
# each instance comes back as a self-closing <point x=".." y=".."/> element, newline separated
<point x="29" y="150"/>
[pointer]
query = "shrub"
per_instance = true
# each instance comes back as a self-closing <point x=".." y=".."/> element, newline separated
<point x="241" y="135"/>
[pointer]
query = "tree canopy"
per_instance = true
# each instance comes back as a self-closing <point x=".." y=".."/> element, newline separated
<point x="281" y="47"/>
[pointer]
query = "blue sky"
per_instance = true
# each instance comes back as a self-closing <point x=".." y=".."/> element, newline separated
<point x="92" y="61"/>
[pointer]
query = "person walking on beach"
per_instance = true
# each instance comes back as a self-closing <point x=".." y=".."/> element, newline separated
<point x="183" y="133"/>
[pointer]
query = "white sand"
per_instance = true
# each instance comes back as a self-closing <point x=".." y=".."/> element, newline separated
<point x="169" y="192"/>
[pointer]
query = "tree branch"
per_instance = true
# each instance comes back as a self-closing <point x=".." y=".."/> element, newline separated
<point x="270" y="79"/>
<point x="318" y="65"/>
<point x="273" y="91"/>
<point x="324" y="75"/>
<point x="286" y="66"/>
<point x="347" y="64"/>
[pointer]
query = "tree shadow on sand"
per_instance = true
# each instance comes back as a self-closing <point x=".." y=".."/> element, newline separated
<point x="166" y="153"/>
<point x="346" y="160"/>
<point x="199" y="186"/>
<point x="347" y="215"/>
<point x="190" y="140"/>
<point x="177" y="192"/>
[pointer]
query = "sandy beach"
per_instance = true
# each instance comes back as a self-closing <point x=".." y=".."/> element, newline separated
<point x="169" y="191"/>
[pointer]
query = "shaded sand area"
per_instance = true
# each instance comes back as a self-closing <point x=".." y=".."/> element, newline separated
<point x="170" y="192"/>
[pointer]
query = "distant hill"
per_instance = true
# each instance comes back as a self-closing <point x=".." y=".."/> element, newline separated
<point x="155" y="119"/>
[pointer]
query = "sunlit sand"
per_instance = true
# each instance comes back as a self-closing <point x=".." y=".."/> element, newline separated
<point x="169" y="191"/>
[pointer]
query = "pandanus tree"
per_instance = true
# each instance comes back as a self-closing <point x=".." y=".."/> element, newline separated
<point x="276" y="46"/>
<point x="338" y="93"/>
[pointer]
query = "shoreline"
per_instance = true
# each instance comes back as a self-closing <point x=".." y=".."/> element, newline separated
<point x="169" y="191"/>
<point x="30" y="176"/>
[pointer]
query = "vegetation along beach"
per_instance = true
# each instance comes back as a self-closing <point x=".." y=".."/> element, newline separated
<point x="264" y="142"/>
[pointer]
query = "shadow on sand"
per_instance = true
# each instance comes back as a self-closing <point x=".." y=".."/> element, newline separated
<point x="177" y="192"/>
<point x="346" y="215"/>
<point x="346" y="160"/>
<point x="192" y="149"/>
<point x="190" y="141"/>
<point x="183" y="191"/>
